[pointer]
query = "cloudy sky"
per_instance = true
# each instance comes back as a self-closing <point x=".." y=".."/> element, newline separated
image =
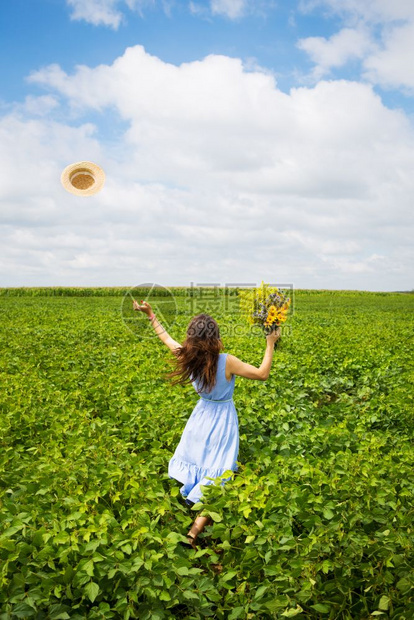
<point x="242" y="140"/>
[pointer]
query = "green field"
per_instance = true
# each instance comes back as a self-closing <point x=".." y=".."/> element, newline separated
<point x="318" y="522"/>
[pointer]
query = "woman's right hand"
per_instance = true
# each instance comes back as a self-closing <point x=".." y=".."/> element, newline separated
<point x="274" y="336"/>
<point x="144" y="307"/>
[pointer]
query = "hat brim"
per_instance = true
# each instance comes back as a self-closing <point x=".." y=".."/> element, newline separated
<point x="90" y="169"/>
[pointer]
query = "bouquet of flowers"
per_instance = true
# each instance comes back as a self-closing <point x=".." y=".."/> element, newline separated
<point x="264" y="306"/>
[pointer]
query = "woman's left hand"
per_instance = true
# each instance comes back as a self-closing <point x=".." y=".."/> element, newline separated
<point x="144" y="307"/>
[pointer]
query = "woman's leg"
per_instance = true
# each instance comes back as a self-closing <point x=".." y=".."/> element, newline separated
<point x="198" y="526"/>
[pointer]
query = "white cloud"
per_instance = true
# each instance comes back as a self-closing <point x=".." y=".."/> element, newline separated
<point x="111" y="12"/>
<point x="40" y="106"/>
<point x="106" y="12"/>
<point x="345" y="45"/>
<point x="231" y="8"/>
<point x="96" y="12"/>
<point x="220" y="176"/>
<point x="392" y="66"/>
<point x="369" y="10"/>
<point x="380" y="33"/>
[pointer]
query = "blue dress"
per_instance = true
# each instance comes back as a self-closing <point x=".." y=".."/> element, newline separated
<point x="209" y="445"/>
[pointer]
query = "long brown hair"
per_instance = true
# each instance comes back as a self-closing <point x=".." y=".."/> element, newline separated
<point x="197" y="359"/>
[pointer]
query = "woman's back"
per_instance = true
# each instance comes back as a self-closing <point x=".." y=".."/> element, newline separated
<point x="223" y="389"/>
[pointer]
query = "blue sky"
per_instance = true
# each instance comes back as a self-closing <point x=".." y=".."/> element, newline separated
<point x="40" y="32"/>
<point x="288" y="125"/>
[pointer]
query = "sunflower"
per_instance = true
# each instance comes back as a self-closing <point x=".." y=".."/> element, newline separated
<point x="264" y="305"/>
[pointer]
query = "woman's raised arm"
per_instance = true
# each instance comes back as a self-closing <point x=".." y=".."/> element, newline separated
<point x="234" y="366"/>
<point x="163" y="335"/>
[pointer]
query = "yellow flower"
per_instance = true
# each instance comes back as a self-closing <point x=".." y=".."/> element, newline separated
<point x="270" y="319"/>
<point x="251" y="299"/>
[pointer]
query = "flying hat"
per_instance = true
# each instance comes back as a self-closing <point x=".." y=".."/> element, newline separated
<point x="83" y="178"/>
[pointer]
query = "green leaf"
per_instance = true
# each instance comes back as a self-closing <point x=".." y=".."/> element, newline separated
<point x="190" y="594"/>
<point x="92" y="590"/>
<point x="69" y="572"/>
<point x="260" y="591"/>
<point x="384" y="603"/>
<point x="21" y="610"/>
<point x="197" y="506"/>
<point x="289" y="613"/>
<point x="201" y="552"/>
<point x="61" y="538"/>
<point x="88" y="568"/>
<point x="92" y="545"/>
<point x="321" y="608"/>
<point x="229" y="473"/>
<point x="403" y="584"/>
<point x="42" y="491"/>
<point x="215" y="516"/>
<point x="173" y="537"/>
<point x="16" y="527"/>
<point x="127" y="549"/>
<point x="327" y="513"/>
<point x="237" y="612"/>
<point x="6" y="543"/>
<point x="38" y="538"/>
<point x="57" y="612"/>
<point x="277" y="602"/>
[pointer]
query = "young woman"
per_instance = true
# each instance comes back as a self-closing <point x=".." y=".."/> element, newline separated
<point x="209" y="445"/>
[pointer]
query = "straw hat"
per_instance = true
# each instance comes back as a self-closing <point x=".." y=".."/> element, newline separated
<point x="83" y="178"/>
